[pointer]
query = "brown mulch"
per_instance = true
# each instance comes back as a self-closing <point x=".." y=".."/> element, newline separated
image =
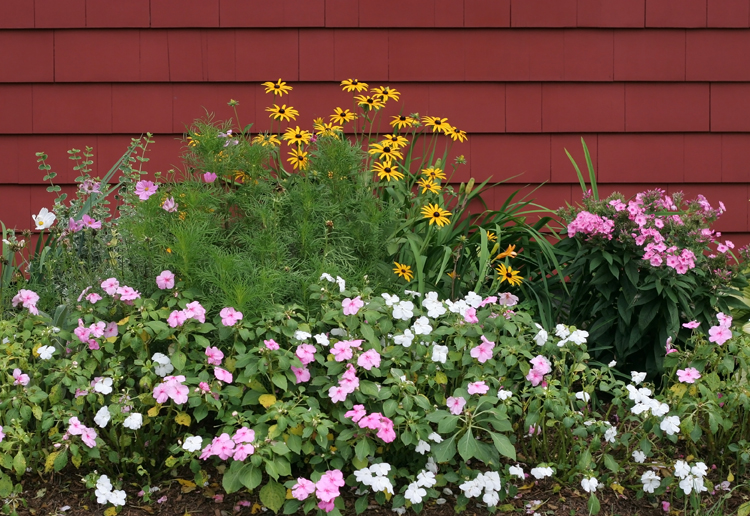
<point x="47" y="497"/>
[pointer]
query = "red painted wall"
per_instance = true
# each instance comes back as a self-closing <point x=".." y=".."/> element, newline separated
<point x="660" y="89"/>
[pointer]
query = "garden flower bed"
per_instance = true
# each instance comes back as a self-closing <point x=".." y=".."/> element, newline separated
<point x="346" y="337"/>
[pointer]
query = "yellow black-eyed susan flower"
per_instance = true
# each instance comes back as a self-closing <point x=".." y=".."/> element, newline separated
<point x="434" y="173"/>
<point x="298" y="159"/>
<point x="403" y="271"/>
<point x="278" y="88"/>
<point x="456" y="134"/>
<point x="394" y="140"/>
<point x="438" y="124"/>
<point x="368" y="102"/>
<point x="385" y="93"/>
<point x="509" y="275"/>
<point x="267" y="140"/>
<point x="436" y="214"/>
<point x="510" y="252"/>
<point x="282" y="113"/>
<point x="295" y="135"/>
<point x="428" y="185"/>
<point x="401" y="121"/>
<point x="324" y="129"/>
<point x="385" y="151"/>
<point x="387" y="170"/>
<point x="342" y="116"/>
<point x="193" y="141"/>
<point x="354" y="85"/>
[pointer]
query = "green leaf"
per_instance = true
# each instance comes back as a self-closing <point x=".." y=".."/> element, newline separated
<point x="19" y="463"/>
<point x="61" y="460"/>
<point x="250" y="476"/>
<point x="443" y="452"/>
<point x="294" y="443"/>
<point x="742" y="510"/>
<point x="279" y="380"/>
<point x="231" y="479"/>
<point x="447" y="424"/>
<point x="361" y="504"/>
<point x="611" y="463"/>
<point x="6" y="485"/>
<point x="593" y="505"/>
<point x="467" y="446"/>
<point x="179" y="360"/>
<point x="504" y="446"/>
<point x="272" y="495"/>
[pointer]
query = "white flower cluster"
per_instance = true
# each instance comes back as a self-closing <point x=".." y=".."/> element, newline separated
<point x="339" y="280"/>
<point x="433" y="305"/>
<point x="415" y="492"/>
<point x="644" y="403"/>
<point x="163" y="364"/>
<point x="691" y="478"/>
<point x="589" y="484"/>
<point x="376" y="477"/>
<point x="105" y="494"/>
<point x="489" y="482"/>
<point x="541" y="472"/>
<point x="576" y="336"/>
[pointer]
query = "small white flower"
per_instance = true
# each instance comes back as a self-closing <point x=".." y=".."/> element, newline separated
<point x="192" y="443"/>
<point x="637" y="377"/>
<point x="133" y="421"/>
<point x="589" y="484"/>
<point x="422" y="447"/>
<point x="104" y="483"/>
<point x="426" y="479"/>
<point x="613" y="363"/>
<point x="699" y="470"/>
<point x="412" y="293"/>
<point x="399" y="510"/>
<point x="542" y="472"/>
<point x="322" y="339"/>
<point x="472" y="488"/>
<point x="658" y="409"/>
<point x="381" y="469"/>
<point x="431" y="465"/>
<point x="541" y="336"/>
<point x="491" y="498"/>
<point x="326" y="276"/>
<point x="405" y="339"/>
<point x="382" y="484"/>
<point x="390" y="300"/>
<point x="504" y="395"/>
<point x="610" y="434"/>
<point x="102" y="496"/>
<point x="670" y="425"/>
<point x="404" y="310"/>
<point x="102" y="417"/>
<point x="651" y="481"/>
<point x="46" y="352"/>
<point x="414" y="493"/>
<point x="583" y="396"/>
<point x="681" y="469"/>
<point x="164" y="365"/>
<point x="422" y="326"/>
<point x="686" y="484"/>
<point x="639" y="456"/>
<point x="473" y="299"/>
<point x="117" y="498"/>
<point x="341" y="283"/>
<point x="364" y="476"/>
<point x="302" y="335"/>
<point x="517" y="471"/>
<point x="579" y="337"/>
<point x="44" y="220"/>
<point x="562" y="331"/>
<point x="439" y="353"/>
<point x="104" y="385"/>
<point x="435" y="437"/>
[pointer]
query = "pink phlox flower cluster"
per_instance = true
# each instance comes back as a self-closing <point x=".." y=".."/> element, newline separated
<point x="145" y="189"/>
<point x="721" y="333"/>
<point x="659" y="253"/>
<point x="540" y="367"/>
<point x="348" y="383"/>
<point x="483" y="352"/>
<point x="590" y="224"/>
<point x="165" y="280"/>
<point x="20" y="378"/>
<point x="173" y="388"/>
<point x="214" y="355"/>
<point x="230" y="316"/>
<point x="75" y="427"/>
<point x="352" y="306"/>
<point x="305" y="353"/>
<point x="342" y="350"/>
<point x="27" y="298"/>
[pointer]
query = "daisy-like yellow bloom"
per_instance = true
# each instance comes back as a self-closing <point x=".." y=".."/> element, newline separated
<point x="241" y="176"/>
<point x="509" y="275"/>
<point x="385" y="93"/>
<point x="403" y="271"/>
<point x="298" y="159"/>
<point x="492" y="237"/>
<point x="278" y="88"/>
<point x="434" y="173"/>
<point x="342" y="116"/>
<point x="401" y="121"/>
<point x="324" y="129"/>
<point x="509" y="252"/>
<point x="438" y="124"/>
<point x="267" y="140"/>
<point x="436" y="214"/>
<point x="428" y="185"/>
<point x="192" y="141"/>
<point x="354" y="85"/>
<point x="394" y="140"/>
<point x="282" y="113"/>
<point x="297" y="136"/>
<point x="456" y="134"/>
<point x="385" y="151"/>
<point x="387" y="170"/>
<point x="369" y="103"/>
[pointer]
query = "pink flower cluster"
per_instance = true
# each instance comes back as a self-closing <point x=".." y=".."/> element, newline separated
<point x="97" y="330"/>
<point x="721" y="333"/>
<point x="27" y="298"/>
<point x="215" y="355"/>
<point x="374" y="421"/>
<point x="127" y="294"/>
<point x="540" y="367"/>
<point x="590" y="224"/>
<point x="659" y="253"/>
<point x="75" y="427"/>
<point x="239" y="446"/>
<point x="483" y="352"/>
<point x="192" y="310"/>
<point x="172" y="387"/>
<point x="326" y="489"/>
<point x="342" y="350"/>
<point x="348" y="383"/>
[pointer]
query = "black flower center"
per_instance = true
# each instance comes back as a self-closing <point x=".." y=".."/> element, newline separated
<point x="436" y="214"/>
<point x="282" y="111"/>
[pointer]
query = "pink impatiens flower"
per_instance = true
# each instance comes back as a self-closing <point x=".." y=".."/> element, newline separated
<point x="195" y="311"/>
<point x="541" y="364"/>
<point x="356" y="413"/>
<point x="691" y="325"/>
<point x="223" y="375"/>
<point x="271" y="344"/>
<point x="302" y="489"/>
<point x="369" y="359"/>
<point x="20" y="378"/>
<point x="145" y="189"/>
<point x="306" y="353"/>
<point x="483" y="352"/>
<point x="535" y="377"/>
<point x="301" y="374"/>
<point x="230" y="316"/>
<point x="719" y="334"/>
<point x="88" y="436"/>
<point x="110" y="286"/>
<point x="176" y="318"/>
<point x="165" y="280"/>
<point x="455" y="405"/>
<point x="93" y="298"/>
<point x="478" y="388"/>
<point x="214" y="355"/>
<point x="337" y="393"/>
<point x="688" y="375"/>
<point x="128" y="293"/>
<point x="470" y="315"/>
<point x="172" y="388"/>
<point x="75" y="427"/>
<point x="27" y="298"/>
<point x="352" y="306"/>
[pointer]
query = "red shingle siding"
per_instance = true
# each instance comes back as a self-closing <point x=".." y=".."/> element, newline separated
<point x="659" y="89"/>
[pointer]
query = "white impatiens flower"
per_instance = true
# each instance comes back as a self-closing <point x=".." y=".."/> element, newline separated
<point x="426" y="479"/>
<point x="193" y="443"/>
<point x="658" y="408"/>
<point x="302" y="335"/>
<point x="403" y="310"/>
<point x="164" y="365"/>
<point x="610" y="434"/>
<point x="439" y="353"/>
<point x="473" y="299"/>
<point x="104" y="483"/>
<point x="414" y="493"/>
<point x="117" y="498"/>
<point x="651" y="481"/>
<point x="639" y="456"/>
<point x="589" y="484"/>
<point x="44" y="220"/>
<point x="504" y="395"/>
<point x="103" y="385"/>
<point x="583" y="396"/>
<point x="699" y="470"/>
<point x="390" y="299"/>
<point x="422" y="447"/>
<point x="578" y="337"/>
<point x="457" y="307"/>
<point x="412" y="293"/>
<point x="322" y="339"/>
<point x="326" y="276"/>
<point x="102" y="417"/>
<point x="491" y="480"/>
<point x="517" y="471"/>
<point x="670" y="425"/>
<point x="542" y="472"/>
<point x="472" y="488"/>
<point x="405" y="339"/>
<point x="541" y="336"/>
<point x="341" y="283"/>
<point x="431" y="465"/>
<point x="134" y="421"/>
<point x="612" y="363"/>
<point x="46" y="352"/>
<point x="491" y="498"/>
<point x="422" y="326"/>
<point x="681" y="469"/>
<point x="637" y="377"/>
<point x="435" y="437"/>
<point x="433" y="305"/>
<point x="562" y="331"/>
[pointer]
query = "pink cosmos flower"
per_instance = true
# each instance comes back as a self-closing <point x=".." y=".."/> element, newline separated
<point x="688" y="375"/>
<point x="230" y="316"/>
<point x="110" y="286"/>
<point x="337" y="393"/>
<point x="176" y="318"/>
<point x="195" y="311"/>
<point x="111" y="330"/>
<point x="145" y="189"/>
<point x="20" y="378"/>
<point x="691" y="325"/>
<point x="369" y="359"/>
<point x="74" y="226"/>
<point x="301" y="374"/>
<point x="352" y="306"/>
<point x="127" y="293"/>
<point x="214" y="355"/>
<point x="306" y="353"/>
<point x="91" y="223"/>
<point x="456" y="405"/>
<point x="271" y="344"/>
<point x="356" y="413"/>
<point x="541" y="364"/>
<point x="169" y="205"/>
<point x="302" y="489"/>
<point x="209" y="177"/>
<point x="165" y="280"/>
<point x="483" y="352"/>
<point x="93" y="298"/>
<point x="470" y="315"/>
<point x="88" y="436"/>
<point x="223" y="375"/>
<point x="478" y="388"/>
<point x="719" y="334"/>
